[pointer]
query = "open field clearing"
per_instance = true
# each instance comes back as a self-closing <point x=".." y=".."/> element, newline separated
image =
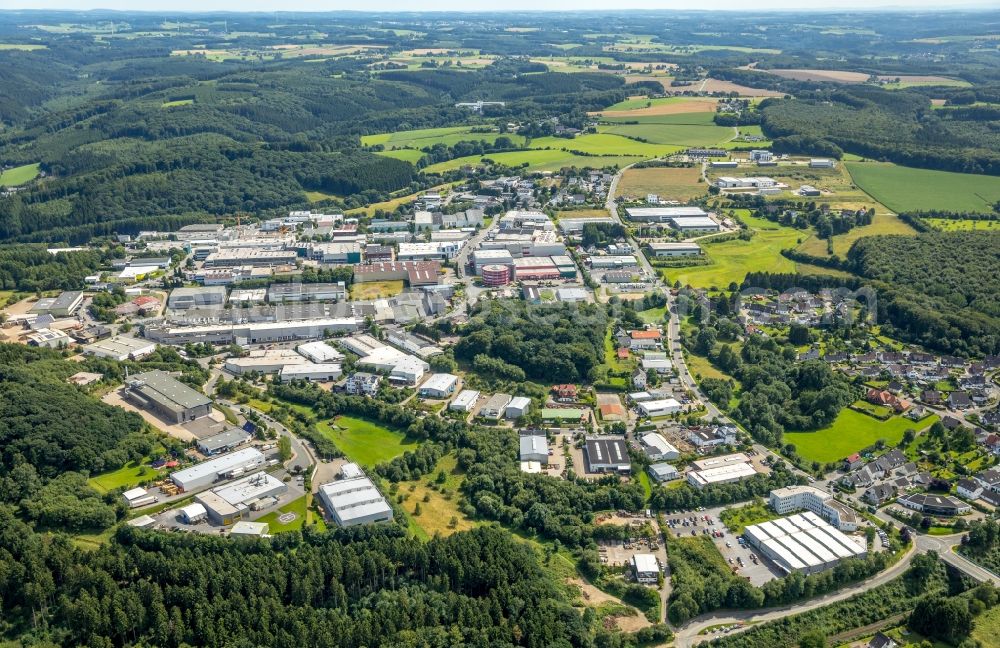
<point x="128" y="476"/>
<point x="19" y="175"/>
<point x="948" y="225"/>
<point x="905" y="189"/>
<point x="732" y="260"/>
<point x="667" y="182"/>
<point x="422" y="138"/>
<point x="629" y="118"/>
<point x="175" y="103"/>
<point x="407" y="155"/>
<point x="537" y="160"/>
<point x="687" y="135"/>
<point x="604" y="144"/>
<point x="376" y="289"/>
<point x="850" y="432"/>
<point x="718" y="85"/>
<point x="393" y="203"/>
<point x="439" y="514"/>
<point x="23" y="47"/>
<point x="642" y="106"/>
<point x="365" y="442"/>
<point x="317" y="196"/>
<point x="844" y="76"/>
<point x="883" y="223"/>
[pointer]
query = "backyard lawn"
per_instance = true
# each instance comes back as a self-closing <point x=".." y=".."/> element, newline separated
<point x="850" y="432"/>
<point x="365" y="442"/>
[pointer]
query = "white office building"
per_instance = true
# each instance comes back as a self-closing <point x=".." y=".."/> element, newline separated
<point x="662" y="407"/>
<point x="797" y="498"/>
<point x="318" y="372"/>
<point x="440" y="385"/>
<point x="646" y="568"/>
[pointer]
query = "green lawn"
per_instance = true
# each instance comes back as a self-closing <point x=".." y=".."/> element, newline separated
<point x="537" y="160"/>
<point x="949" y="225"/>
<point x="19" y="175"/>
<point x="638" y="103"/>
<point x="738" y="518"/>
<point x="605" y="144"/>
<point x="653" y="315"/>
<point x="693" y="118"/>
<point x="732" y="260"/>
<point x="906" y="189"/>
<point x="851" y="432"/>
<point x="298" y="507"/>
<point x="24" y="47"/>
<point x="422" y="138"/>
<point x="987" y="627"/>
<point x="407" y="155"/>
<point x="679" y="134"/>
<point x="125" y="477"/>
<point x="366" y="442"/>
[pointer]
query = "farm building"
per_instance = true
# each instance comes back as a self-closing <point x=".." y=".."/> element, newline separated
<point x="803" y="543"/>
<point x="354" y="501"/>
<point x="208" y="472"/>
<point x="607" y="454"/>
<point x="169" y="398"/>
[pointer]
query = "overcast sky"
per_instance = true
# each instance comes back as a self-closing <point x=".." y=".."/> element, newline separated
<point x="486" y="5"/>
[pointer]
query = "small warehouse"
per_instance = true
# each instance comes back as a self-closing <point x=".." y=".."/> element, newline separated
<point x="319" y="352"/>
<point x="440" y="385"/>
<point x="201" y="297"/>
<point x="495" y="406"/>
<point x="64" y="305"/>
<point x="249" y="530"/>
<point x="351" y="502"/>
<point x="229" y="503"/>
<point x="193" y="514"/>
<point x="121" y="347"/>
<point x="646" y="568"/>
<point x="607" y="454"/>
<point x="323" y="372"/>
<point x="517" y="407"/>
<point x="534" y="447"/>
<point x="223" y="442"/>
<point x="465" y="401"/>
<point x="662" y="407"/>
<point x="657" y="447"/>
<point x="663" y="472"/>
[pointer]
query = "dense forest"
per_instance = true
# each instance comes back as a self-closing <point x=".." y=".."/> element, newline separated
<point x="510" y="341"/>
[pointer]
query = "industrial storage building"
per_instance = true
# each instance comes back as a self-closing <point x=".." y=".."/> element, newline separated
<point x="231" y="502"/>
<point x="804" y="543"/>
<point x="607" y="454"/>
<point x="193" y="513"/>
<point x="661" y="407"/>
<point x="663" y="472"/>
<point x="495" y="406"/>
<point x="674" y="249"/>
<point x="321" y="372"/>
<point x="120" y="347"/>
<point x="441" y="385"/>
<point x="265" y="361"/>
<point x="169" y="398"/>
<point x="319" y="352"/>
<point x="223" y="442"/>
<point x="48" y="338"/>
<point x="300" y="292"/>
<point x="354" y="501"/>
<point x="658" y="448"/>
<point x="517" y="407"/>
<point x="465" y="401"/>
<point x="249" y="530"/>
<point x="534" y="447"/>
<point x="663" y="214"/>
<point x="208" y="472"/>
<point x="646" y="568"/>
<point x="206" y="296"/>
<point x="254" y="332"/>
<point x="64" y="305"/>
<point x="722" y="474"/>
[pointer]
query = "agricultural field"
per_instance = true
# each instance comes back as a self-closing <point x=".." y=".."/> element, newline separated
<point x="967" y="225"/>
<point x="376" y="289"/>
<point x="645" y="107"/>
<point x="850" y="432"/>
<point x="904" y="189"/>
<point x="19" y="175"/>
<point x="23" y="47"/>
<point x="732" y="260"/>
<point x="537" y="160"/>
<point x="686" y="135"/>
<point x="701" y="118"/>
<point x="425" y="137"/>
<point x="365" y="442"/>
<point x="317" y="196"/>
<point x="441" y="508"/>
<point x="667" y="182"/>
<point x="844" y="76"/>
<point x="407" y="155"/>
<point x="604" y="144"/>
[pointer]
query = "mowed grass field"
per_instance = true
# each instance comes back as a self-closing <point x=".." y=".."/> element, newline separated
<point x="851" y="432"/>
<point x="126" y="477"/>
<point x="19" y="175"/>
<point x="677" y="134"/>
<point x="422" y="138"/>
<point x="702" y="118"/>
<point x="604" y="144"/>
<point x="905" y="189"/>
<point x="732" y="260"/>
<point x="642" y="106"/>
<point x="407" y="155"/>
<point x="537" y="160"/>
<point x="366" y="442"/>
<point x="300" y="508"/>
<point x="667" y="182"/>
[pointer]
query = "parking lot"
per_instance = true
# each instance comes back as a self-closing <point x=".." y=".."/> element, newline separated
<point x="746" y="561"/>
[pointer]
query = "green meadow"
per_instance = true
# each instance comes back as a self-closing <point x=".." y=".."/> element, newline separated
<point x="19" y="175"/>
<point x="537" y="160"/>
<point x="677" y="134"/>
<point x="850" y="432"/>
<point x="366" y="442"/>
<point x="904" y="189"/>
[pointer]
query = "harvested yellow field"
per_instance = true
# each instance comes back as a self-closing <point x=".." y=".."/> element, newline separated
<point x="667" y="182"/>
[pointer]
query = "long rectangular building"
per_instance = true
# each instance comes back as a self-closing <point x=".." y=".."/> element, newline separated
<point x="208" y="472"/>
<point x="804" y="543"/>
<point x="167" y="396"/>
<point x="253" y="332"/>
